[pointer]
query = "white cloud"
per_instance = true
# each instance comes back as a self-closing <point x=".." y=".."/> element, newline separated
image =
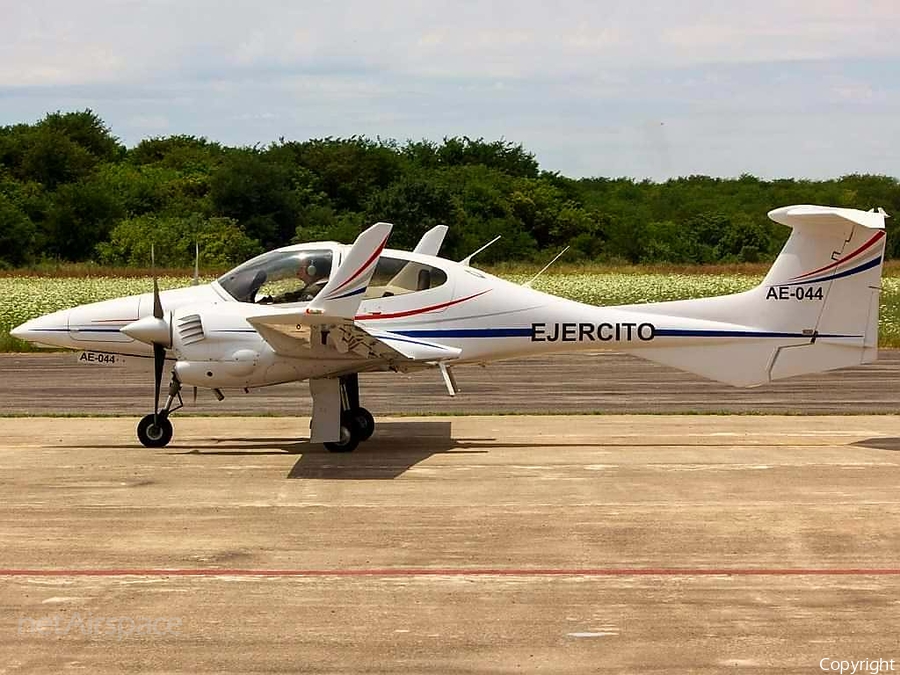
<point x="60" y="42"/>
<point x="584" y="83"/>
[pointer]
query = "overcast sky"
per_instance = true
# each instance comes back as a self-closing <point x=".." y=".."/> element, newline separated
<point x="802" y="88"/>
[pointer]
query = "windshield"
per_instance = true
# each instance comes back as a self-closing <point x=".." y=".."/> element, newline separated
<point x="279" y="277"/>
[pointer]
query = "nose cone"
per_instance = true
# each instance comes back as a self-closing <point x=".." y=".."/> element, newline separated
<point x="50" y="330"/>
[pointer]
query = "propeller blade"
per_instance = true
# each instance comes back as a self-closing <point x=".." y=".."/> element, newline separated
<point x="159" y="362"/>
<point x="157" y="303"/>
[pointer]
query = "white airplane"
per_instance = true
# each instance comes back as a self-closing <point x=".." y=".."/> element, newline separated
<point x="325" y="312"/>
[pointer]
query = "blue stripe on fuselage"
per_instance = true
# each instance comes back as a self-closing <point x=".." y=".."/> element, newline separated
<point x="467" y="332"/>
<point x="657" y="332"/>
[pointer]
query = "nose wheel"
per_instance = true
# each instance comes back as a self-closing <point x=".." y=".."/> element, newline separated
<point x="155" y="430"/>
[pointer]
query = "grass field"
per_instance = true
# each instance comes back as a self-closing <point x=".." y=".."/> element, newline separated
<point x="25" y="297"/>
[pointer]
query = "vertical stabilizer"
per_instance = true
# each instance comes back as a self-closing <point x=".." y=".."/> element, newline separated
<point x="816" y="309"/>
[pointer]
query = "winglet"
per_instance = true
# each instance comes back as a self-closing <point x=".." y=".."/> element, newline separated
<point x="344" y="291"/>
<point x="431" y="241"/>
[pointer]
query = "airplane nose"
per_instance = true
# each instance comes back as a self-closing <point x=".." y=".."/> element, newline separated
<point x="50" y="329"/>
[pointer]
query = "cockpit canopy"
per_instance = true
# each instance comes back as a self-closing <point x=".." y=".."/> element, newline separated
<point x="396" y="276"/>
<point x="279" y="277"/>
<point x="287" y="276"/>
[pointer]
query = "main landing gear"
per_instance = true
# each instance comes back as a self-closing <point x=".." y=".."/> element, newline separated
<point x="155" y="430"/>
<point x="357" y="423"/>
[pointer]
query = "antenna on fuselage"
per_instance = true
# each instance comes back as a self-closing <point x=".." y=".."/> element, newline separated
<point x="468" y="259"/>
<point x="196" y="281"/>
<point x="528" y="283"/>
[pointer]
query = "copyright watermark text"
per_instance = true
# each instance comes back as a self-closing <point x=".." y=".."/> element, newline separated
<point x="867" y="666"/>
<point x="118" y="627"/>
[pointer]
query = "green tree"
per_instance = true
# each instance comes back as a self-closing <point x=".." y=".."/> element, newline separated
<point x="221" y="241"/>
<point x="348" y="171"/>
<point x="87" y="130"/>
<point x="182" y="153"/>
<point x="67" y="183"/>
<point x="504" y="156"/>
<point x="52" y="158"/>
<point x="258" y="193"/>
<point x="81" y="215"/>
<point x="18" y="235"/>
<point x="414" y="205"/>
<point x="139" y="188"/>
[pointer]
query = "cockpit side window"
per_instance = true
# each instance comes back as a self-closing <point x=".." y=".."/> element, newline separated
<point x="395" y="276"/>
<point x="280" y="277"/>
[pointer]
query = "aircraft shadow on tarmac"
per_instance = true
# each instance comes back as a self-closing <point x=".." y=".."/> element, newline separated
<point x="395" y="448"/>
<point x="401" y="446"/>
<point x="879" y="443"/>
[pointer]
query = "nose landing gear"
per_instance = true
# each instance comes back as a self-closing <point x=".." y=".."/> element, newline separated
<point x="155" y="430"/>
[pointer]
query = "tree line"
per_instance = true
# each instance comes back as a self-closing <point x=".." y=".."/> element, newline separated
<point x="70" y="191"/>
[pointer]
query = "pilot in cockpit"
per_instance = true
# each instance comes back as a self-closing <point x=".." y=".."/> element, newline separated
<point x="309" y="277"/>
<point x="314" y="275"/>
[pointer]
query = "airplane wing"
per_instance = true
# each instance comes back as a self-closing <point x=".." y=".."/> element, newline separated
<point x="431" y="241"/>
<point x="292" y="334"/>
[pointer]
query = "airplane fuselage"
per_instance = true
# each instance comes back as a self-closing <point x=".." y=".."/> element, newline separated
<point x="484" y="317"/>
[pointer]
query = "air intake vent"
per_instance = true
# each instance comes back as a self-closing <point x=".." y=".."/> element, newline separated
<point x="190" y="328"/>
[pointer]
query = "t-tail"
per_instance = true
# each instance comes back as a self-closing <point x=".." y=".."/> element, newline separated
<point x="816" y="309"/>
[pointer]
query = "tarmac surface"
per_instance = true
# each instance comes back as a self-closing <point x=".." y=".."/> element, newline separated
<point x="584" y="383"/>
<point x="665" y="544"/>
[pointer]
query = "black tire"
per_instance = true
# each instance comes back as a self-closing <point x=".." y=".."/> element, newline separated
<point x="350" y="435"/>
<point x="153" y="435"/>
<point x="365" y="422"/>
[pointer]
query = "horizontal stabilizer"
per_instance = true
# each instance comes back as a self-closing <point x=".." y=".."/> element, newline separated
<point x="807" y="214"/>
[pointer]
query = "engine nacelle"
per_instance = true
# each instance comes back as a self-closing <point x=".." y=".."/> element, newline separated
<point x="237" y="370"/>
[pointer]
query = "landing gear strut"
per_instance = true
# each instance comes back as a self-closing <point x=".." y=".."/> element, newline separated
<point x="155" y="430"/>
<point x="357" y="423"/>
